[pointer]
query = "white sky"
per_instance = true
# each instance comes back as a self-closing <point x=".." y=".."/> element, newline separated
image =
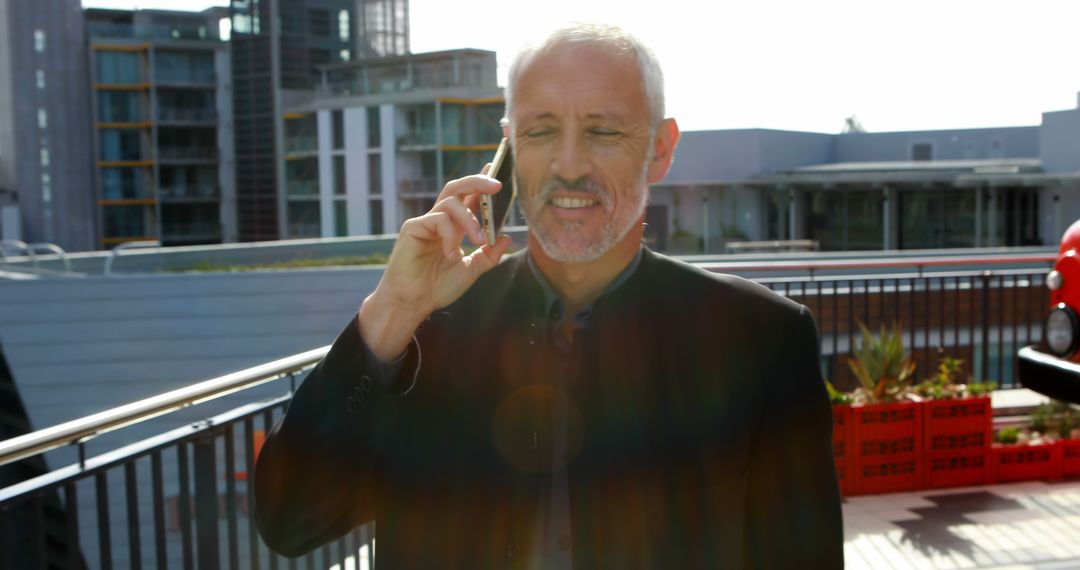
<point x="802" y="64"/>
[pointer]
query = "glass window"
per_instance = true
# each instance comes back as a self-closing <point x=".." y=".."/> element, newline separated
<point x="343" y="25"/>
<point x="865" y="220"/>
<point x="339" y="175"/>
<point x="339" y="129"/>
<point x="302" y="177"/>
<point x="375" y="174"/>
<point x="44" y="157"/>
<point x="824" y="218"/>
<point x="376" y="217"/>
<point x="345" y="55"/>
<point x="124" y="221"/>
<point x="373" y="128"/>
<point x="40" y="79"/>
<point x="121" y="183"/>
<point x="39" y="41"/>
<point x="304" y="219"/>
<point x="922" y="151"/>
<point x="118" y="107"/>
<point x="341" y="219"/>
<point x="118" y="67"/>
<point x="184" y="67"/>
<point x="120" y="144"/>
<point x="42" y="119"/>
<point x="319" y="22"/>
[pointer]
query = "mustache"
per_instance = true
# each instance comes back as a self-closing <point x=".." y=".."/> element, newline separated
<point x="584" y="184"/>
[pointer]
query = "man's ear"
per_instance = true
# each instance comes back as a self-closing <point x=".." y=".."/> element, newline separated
<point x="667" y="137"/>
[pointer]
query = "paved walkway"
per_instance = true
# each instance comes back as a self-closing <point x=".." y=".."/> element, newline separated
<point x="1032" y="525"/>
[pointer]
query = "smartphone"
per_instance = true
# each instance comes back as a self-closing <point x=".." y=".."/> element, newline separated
<point x="495" y="208"/>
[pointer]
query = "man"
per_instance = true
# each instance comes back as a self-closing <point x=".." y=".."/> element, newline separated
<point x="585" y="403"/>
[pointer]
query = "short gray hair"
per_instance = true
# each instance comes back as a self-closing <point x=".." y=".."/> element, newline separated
<point x="603" y="35"/>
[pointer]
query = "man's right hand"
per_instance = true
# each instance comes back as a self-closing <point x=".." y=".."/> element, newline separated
<point x="427" y="269"/>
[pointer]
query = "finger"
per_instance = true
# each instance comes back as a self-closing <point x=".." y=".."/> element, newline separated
<point x="486" y="168"/>
<point x="474" y="184"/>
<point x="462" y="217"/>
<point x="486" y="257"/>
<point x="439" y="226"/>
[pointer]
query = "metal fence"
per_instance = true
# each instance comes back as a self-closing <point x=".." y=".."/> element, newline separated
<point x="981" y="317"/>
<point x="182" y="499"/>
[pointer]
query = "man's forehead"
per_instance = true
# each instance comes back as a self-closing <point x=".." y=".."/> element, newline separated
<point x="606" y="80"/>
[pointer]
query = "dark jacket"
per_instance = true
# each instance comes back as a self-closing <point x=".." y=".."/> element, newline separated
<point x="699" y="428"/>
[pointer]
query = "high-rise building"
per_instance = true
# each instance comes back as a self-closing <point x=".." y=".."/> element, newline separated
<point x="277" y="48"/>
<point x="45" y="152"/>
<point x="162" y="126"/>
<point x="379" y="138"/>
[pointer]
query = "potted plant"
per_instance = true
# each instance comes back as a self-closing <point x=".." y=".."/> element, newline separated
<point x="1026" y="452"/>
<point x="957" y="424"/>
<point x="841" y="405"/>
<point x="886" y="422"/>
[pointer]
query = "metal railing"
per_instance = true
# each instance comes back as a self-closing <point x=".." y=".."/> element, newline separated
<point x="181" y="498"/>
<point x="981" y="317"/>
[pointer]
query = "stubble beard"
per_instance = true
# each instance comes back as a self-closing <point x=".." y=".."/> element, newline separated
<point x="560" y="240"/>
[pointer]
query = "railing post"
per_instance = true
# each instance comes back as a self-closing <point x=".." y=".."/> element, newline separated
<point x="206" y="502"/>
<point x="985" y="320"/>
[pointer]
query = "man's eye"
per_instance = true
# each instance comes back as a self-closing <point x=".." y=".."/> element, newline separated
<point x="603" y="132"/>
<point x="537" y="133"/>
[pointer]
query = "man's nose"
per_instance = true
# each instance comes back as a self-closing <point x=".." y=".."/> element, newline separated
<point x="571" y="160"/>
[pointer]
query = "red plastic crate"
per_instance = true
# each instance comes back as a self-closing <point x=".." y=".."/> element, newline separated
<point x="841" y="447"/>
<point x="955" y="468"/>
<point x="1025" y="462"/>
<point x="956" y="425"/>
<point x="1070" y="457"/>
<point x="886" y="447"/>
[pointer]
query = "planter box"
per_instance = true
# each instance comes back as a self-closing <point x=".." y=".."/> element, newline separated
<point x="886" y="451"/>
<point x="842" y="447"/>
<point x="955" y="469"/>
<point x="1070" y="457"/>
<point x="956" y="442"/>
<point x="1025" y="462"/>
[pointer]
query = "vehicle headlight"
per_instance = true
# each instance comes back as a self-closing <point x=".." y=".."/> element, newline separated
<point x="1061" y="330"/>
<point x="1054" y="280"/>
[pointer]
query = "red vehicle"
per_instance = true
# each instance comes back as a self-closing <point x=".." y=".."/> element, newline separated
<point x="1057" y="373"/>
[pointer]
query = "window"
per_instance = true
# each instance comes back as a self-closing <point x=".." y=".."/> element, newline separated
<point x="40" y="79"/>
<point x="42" y="119"/>
<point x="339" y="129"/>
<point x="374" y="138"/>
<point x="44" y="157"/>
<point x="319" y="23"/>
<point x="339" y="175"/>
<point x="39" y="41"/>
<point x="343" y="25"/>
<point x="118" y="67"/>
<point x="922" y="151"/>
<point x="375" y="174"/>
<point x="375" y="213"/>
<point x="344" y="55"/>
<point x="341" y="219"/>
<point x="224" y="29"/>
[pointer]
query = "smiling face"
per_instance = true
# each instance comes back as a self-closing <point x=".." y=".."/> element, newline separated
<point x="582" y="149"/>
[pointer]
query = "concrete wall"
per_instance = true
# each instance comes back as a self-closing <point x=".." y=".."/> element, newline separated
<point x="721" y="157"/>
<point x="1012" y="142"/>
<point x="1059" y="141"/>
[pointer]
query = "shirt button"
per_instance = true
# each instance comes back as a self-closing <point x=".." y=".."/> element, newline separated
<point x="564" y="542"/>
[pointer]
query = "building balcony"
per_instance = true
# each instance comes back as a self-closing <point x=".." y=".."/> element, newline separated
<point x="173" y="115"/>
<point x="418" y="138"/>
<point x="209" y="193"/>
<point x="301" y="144"/>
<point x="419" y="188"/>
<point x="185" y="154"/>
<point x="191" y="230"/>
<point x="185" y="77"/>
<point x="302" y="187"/>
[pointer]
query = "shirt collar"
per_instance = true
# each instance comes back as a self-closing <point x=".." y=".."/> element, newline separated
<point x="551" y="297"/>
